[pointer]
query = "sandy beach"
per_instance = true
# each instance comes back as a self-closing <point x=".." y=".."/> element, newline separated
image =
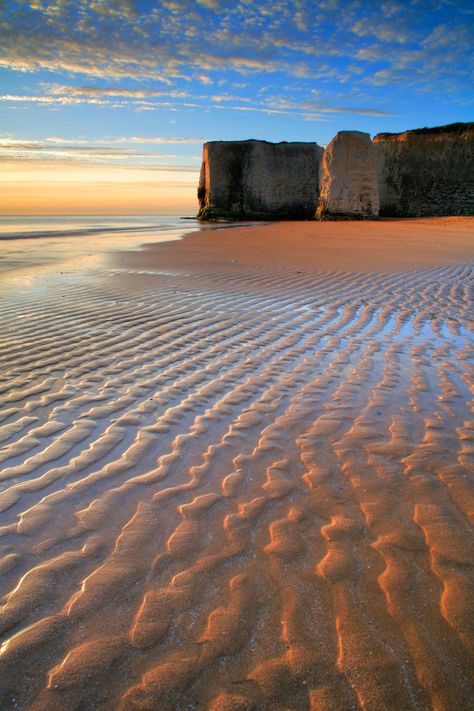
<point x="237" y="472"/>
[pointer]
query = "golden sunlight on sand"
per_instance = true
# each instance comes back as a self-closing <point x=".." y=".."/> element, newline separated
<point x="238" y="474"/>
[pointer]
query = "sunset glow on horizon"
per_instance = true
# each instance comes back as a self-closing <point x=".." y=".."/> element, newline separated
<point x="43" y="188"/>
<point x="105" y="104"/>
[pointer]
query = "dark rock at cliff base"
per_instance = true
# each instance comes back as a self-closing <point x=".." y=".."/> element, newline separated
<point x="348" y="181"/>
<point x="428" y="171"/>
<point x="259" y="180"/>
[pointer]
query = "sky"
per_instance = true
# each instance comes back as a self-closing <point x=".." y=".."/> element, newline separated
<point x="105" y="104"/>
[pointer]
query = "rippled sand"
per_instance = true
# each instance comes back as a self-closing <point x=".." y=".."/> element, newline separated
<point x="230" y="485"/>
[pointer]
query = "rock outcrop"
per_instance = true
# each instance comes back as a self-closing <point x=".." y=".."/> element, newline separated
<point x="259" y="180"/>
<point x="426" y="171"/>
<point x="348" y="179"/>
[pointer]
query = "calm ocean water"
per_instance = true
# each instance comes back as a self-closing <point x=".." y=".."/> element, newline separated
<point x="38" y="241"/>
<point x="26" y="227"/>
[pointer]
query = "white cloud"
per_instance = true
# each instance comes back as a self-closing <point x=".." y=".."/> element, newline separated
<point x="67" y="90"/>
<point x="167" y="49"/>
<point x="123" y="139"/>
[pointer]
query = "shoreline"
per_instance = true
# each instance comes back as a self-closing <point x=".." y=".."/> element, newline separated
<point x="77" y="245"/>
<point x="385" y="245"/>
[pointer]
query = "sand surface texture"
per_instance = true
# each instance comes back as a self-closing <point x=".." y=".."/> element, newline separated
<point x="236" y="480"/>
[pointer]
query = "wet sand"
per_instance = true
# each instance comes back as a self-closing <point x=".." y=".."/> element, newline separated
<point x="384" y="245"/>
<point x="237" y="473"/>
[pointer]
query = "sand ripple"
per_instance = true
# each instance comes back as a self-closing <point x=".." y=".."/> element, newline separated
<point x="243" y="489"/>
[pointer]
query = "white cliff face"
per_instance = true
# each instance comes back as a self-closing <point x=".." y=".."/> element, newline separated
<point x="259" y="180"/>
<point x="420" y="172"/>
<point x="348" y="177"/>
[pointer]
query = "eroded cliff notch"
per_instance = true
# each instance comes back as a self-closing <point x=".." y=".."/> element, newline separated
<point x="259" y="180"/>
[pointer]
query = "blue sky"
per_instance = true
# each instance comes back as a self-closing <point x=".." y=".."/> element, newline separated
<point x="124" y="92"/>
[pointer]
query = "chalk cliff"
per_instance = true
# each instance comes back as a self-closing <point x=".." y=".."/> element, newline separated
<point x="348" y="177"/>
<point x="259" y="180"/>
<point x="415" y="173"/>
<point x="426" y="171"/>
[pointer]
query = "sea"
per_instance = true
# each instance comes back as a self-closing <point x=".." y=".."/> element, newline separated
<point x="39" y="241"/>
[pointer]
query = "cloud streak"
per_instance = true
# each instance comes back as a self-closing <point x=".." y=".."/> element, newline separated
<point x="61" y="151"/>
<point x="118" y="97"/>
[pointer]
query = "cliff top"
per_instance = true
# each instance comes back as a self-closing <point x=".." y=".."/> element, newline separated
<point x="449" y="128"/>
<point x="270" y="143"/>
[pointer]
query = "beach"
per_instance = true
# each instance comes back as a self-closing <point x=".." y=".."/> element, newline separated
<point x="237" y="470"/>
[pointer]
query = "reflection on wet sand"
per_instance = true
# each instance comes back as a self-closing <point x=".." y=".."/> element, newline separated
<point x="235" y="489"/>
